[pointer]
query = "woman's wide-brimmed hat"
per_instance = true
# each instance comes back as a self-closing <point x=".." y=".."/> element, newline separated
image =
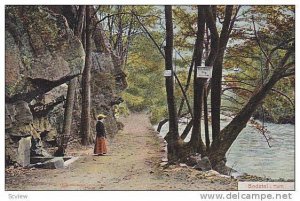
<point x="101" y="116"/>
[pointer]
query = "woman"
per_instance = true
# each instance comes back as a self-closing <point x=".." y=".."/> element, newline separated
<point x="100" y="144"/>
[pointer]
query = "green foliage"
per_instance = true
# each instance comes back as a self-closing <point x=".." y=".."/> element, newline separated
<point x="121" y="110"/>
<point x="274" y="25"/>
<point x="135" y="103"/>
<point x="157" y="113"/>
<point x="145" y="68"/>
<point x="278" y="107"/>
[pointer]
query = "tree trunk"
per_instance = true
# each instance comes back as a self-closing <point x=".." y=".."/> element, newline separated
<point x="216" y="80"/>
<point x="86" y="88"/>
<point x="160" y="124"/>
<point x="186" y="87"/>
<point x="79" y="27"/>
<point x="196" y="142"/>
<point x="68" y="115"/>
<point x="228" y="135"/>
<point x="206" y="126"/>
<point x="172" y="136"/>
<point x="187" y="130"/>
<point x="119" y="41"/>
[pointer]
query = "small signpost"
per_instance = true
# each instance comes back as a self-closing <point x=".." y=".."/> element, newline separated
<point x="204" y="71"/>
<point x="168" y="73"/>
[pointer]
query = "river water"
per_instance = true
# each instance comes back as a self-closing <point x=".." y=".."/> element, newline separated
<point x="251" y="154"/>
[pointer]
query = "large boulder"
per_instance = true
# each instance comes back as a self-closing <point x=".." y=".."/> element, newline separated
<point x="204" y="164"/>
<point x="11" y="149"/>
<point x="24" y="151"/>
<point x="40" y="51"/>
<point x="223" y="169"/>
<point x="193" y="160"/>
<point x="17" y="114"/>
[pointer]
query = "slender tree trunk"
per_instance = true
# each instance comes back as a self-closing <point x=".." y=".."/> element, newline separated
<point x="206" y="126"/>
<point x="86" y="87"/>
<point x="83" y="35"/>
<point x="196" y="142"/>
<point x="79" y="28"/>
<point x="172" y="136"/>
<point x="187" y="130"/>
<point x="186" y="87"/>
<point x="119" y="41"/>
<point x="216" y="81"/>
<point x="68" y="115"/>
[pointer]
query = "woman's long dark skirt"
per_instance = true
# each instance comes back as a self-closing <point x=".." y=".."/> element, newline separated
<point x="100" y="146"/>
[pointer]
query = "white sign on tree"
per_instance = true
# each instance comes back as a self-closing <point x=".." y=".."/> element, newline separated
<point x="168" y="73"/>
<point x="204" y="71"/>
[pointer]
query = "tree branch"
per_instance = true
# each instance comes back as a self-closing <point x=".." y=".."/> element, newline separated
<point x="234" y="18"/>
<point x="239" y="88"/>
<point x="260" y="45"/>
<point x="187" y="130"/>
<point x="148" y="33"/>
<point x="184" y="95"/>
<point x="279" y="46"/>
<point x="214" y="36"/>
<point x="284" y="95"/>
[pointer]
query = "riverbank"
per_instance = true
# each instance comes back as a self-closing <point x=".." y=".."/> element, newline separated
<point x="133" y="163"/>
<point x="273" y="159"/>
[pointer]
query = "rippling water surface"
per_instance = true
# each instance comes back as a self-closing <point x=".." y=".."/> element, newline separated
<point x="251" y="154"/>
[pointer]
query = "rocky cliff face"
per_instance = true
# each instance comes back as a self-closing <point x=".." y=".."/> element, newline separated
<point x="41" y="56"/>
<point x="41" y="52"/>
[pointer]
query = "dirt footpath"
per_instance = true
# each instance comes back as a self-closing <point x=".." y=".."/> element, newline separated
<point x="131" y="164"/>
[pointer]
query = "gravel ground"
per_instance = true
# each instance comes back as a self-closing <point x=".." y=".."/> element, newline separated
<point x="132" y="163"/>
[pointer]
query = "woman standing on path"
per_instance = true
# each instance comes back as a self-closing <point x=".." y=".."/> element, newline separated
<point x="100" y="144"/>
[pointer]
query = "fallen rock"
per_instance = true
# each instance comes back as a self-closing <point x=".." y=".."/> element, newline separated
<point x="223" y="169"/>
<point x="164" y="160"/>
<point x="211" y="173"/>
<point x="23" y="113"/>
<point x="203" y="164"/>
<point x="23" y="158"/>
<point x="70" y="161"/>
<point x="10" y="113"/>
<point x="193" y="160"/>
<point x="163" y="164"/>
<point x="183" y="165"/>
<point x="39" y="159"/>
<point x="11" y="150"/>
<point x="55" y="163"/>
